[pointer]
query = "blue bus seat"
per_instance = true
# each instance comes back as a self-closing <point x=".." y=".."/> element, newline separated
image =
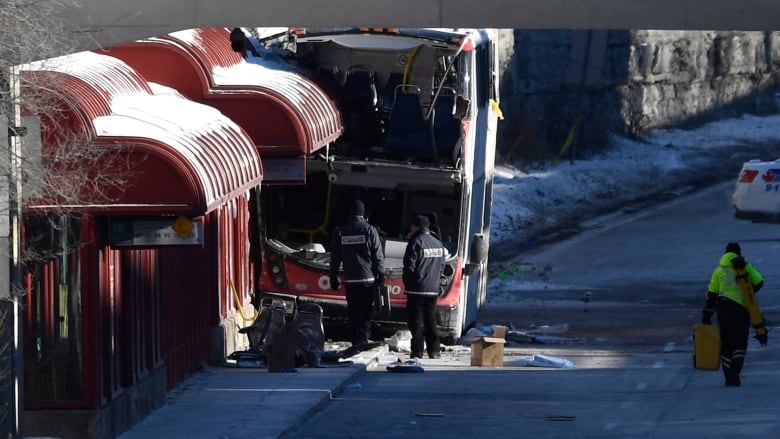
<point x="360" y="102"/>
<point x="388" y="95"/>
<point x="446" y="127"/>
<point x="360" y="87"/>
<point x="408" y="130"/>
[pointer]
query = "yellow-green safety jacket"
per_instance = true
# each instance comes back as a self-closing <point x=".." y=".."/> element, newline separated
<point x="724" y="282"/>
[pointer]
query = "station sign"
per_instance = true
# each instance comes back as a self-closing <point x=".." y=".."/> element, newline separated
<point x="154" y="233"/>
<point x="284" y="170"/>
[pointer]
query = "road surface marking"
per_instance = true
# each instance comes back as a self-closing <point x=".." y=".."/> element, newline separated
<point x="669" y="347"/>
<point x="641" y="386"/>
<point x="658" y="364"/>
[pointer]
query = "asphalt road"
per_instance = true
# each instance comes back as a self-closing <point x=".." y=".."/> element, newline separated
<point x="631" y="343"/>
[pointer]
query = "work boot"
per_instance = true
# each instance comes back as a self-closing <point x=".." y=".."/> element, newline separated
<point x="733" y="381"/>
<point x="731" y="376"/>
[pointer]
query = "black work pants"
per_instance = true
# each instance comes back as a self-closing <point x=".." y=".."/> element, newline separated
<point x="734" y="322"/>
<point x="360" y="306"/>
<point x="421" y="318"/>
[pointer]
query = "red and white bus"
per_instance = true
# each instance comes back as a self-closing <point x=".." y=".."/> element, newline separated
<point x="420" y="112"/>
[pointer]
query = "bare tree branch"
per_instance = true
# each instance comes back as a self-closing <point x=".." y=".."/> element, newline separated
<point x="71" y="168"/>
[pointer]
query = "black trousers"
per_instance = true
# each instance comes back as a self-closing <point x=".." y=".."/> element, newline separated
<point x="421" y="318"/>
<point x="360" y="307"/>
<point x="734" y="322"/>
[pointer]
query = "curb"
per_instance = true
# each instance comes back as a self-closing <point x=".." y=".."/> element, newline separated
<point x="363" y="362"/>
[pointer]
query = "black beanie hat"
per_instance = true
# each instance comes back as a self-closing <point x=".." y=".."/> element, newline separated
<point x="357" y="208"/>
<point x="733" y="247"/>
<point x="421" y="221"/>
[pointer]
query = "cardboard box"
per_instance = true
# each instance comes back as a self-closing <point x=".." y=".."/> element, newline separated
<point x="489" y="351"/>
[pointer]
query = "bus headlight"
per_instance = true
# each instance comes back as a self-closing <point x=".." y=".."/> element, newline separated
<point x="275" y="263"/>
<point x="447" y="275"/>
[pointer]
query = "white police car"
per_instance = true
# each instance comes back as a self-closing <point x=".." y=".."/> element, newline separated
<point x="757" y="195"/>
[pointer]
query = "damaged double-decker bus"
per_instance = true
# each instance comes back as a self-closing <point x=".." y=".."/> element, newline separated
<point x="420" y="112"/>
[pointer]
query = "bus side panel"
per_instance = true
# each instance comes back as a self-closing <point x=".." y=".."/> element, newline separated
<point x="315" y="284"/>
<point x="483" y="163"/>
<point x="308" y="285"/>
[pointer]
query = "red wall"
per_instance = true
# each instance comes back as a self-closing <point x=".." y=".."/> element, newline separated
<point x="141" y="308"/>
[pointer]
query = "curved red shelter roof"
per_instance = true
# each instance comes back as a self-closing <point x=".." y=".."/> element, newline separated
<point x="179" y="157"/>
<point x="284" y="111"/>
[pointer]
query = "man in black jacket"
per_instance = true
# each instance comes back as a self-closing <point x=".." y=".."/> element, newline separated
<point x="358" y="247"/>
<point x="423" y="265"/>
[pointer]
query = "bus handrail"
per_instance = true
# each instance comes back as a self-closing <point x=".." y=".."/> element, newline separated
<point x="322" y="227"/>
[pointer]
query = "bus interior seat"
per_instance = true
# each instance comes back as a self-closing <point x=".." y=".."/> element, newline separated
<point x="310" y="333"/>
<point x="360" y="99"/>
<point x="408" y="130"/>
<point x="360" y="87"/>
<point x="329" y="70"/>
<point x="388" y="95"/>
<point x="329" y="77"/>
<point x="446" y="127"/>
<point x="257" y="332"/>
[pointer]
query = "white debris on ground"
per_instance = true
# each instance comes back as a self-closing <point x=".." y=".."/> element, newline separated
<point x="387" y="359"/>
<point x="456" y="349"/>
<point x="544" y="334"/>
<point x="401" y="341"/>
<point x="539" y="360"/>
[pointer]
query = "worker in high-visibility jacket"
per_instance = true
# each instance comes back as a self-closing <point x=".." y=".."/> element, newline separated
<point x="725" y="297"/>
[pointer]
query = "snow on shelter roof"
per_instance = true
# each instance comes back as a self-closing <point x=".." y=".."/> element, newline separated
<point x="187" y="157"/>
<point x="283" y="110"/>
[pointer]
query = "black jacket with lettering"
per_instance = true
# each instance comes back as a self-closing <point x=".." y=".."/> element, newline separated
<point x="423" y="264"/>
<point x="356" y="244"/>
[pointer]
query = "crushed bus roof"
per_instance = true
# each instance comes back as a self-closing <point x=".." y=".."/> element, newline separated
<point x="431" y="35"/>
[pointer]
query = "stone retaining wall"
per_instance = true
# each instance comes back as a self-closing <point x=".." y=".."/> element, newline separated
<point x="565" y="91"/>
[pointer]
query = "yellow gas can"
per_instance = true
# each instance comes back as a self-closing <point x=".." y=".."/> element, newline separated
<point x="706" y="340"/>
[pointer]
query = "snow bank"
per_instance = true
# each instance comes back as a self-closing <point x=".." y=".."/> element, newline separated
<point x="547" y="194"/>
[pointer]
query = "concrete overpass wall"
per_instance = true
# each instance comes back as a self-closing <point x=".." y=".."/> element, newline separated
<point x="134" y="20"/>
<point x="628" y="82"/>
